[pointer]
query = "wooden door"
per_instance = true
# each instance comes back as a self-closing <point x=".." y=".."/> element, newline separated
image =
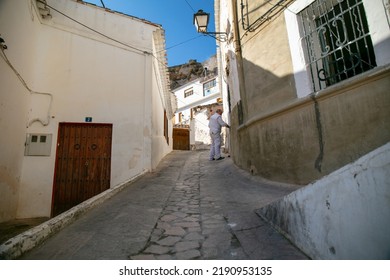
<point x="181" y="139"/>
<point x="83" y="164"/>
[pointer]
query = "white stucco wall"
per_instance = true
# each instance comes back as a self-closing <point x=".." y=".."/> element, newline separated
<point x="201" y="127"/>
<point x="88" y="75"/>
<point x="159" y="146"/>
<point x="14" y="102"/>
<point x="227" y="52"/>
<point x="345" y="215"/>
<point x="163" y="102"/>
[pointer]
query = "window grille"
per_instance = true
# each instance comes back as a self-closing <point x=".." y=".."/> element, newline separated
<point x="337" y="40"/>
<point x="188" y="92"/>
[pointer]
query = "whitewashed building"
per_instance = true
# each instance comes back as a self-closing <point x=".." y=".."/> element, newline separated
<point x="85" y="103"/>
<point x="196" y="102"/>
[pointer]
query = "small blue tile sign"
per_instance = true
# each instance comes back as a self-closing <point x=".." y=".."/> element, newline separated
<point x="88" y="119"/>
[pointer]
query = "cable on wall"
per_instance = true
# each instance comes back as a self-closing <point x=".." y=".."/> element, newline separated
<point x="102" y="34"/>
<point x="5" y="58"/>
<point x="94" y="30"/>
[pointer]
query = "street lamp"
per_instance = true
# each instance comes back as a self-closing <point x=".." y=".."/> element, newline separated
<point x="201" y="20"/>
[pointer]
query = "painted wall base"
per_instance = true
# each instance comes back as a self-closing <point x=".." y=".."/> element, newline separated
<point x="345" y="215"/>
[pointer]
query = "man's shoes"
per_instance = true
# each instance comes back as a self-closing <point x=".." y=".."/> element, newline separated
<point x="220" y="158"/>
<point x="211" y="159"/>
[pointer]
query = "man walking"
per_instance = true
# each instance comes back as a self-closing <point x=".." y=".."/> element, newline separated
<point x="215" y="125"/>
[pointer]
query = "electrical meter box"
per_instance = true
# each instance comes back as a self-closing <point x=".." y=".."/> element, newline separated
<point x="38" y="144"/>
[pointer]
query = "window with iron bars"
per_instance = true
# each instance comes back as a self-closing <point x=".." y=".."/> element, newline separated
<point x="188" y="92"/>
<point x="337" y="40"/>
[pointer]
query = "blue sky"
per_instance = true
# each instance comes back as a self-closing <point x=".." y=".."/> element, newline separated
<point x="176" y="17"/>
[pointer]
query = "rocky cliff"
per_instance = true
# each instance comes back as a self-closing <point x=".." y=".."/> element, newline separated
<point x="192" y="70"/>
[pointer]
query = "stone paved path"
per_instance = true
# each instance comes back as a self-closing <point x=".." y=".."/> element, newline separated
<point x="185" y="232"/>
<point x="194" y="224"/>
<point x="188" y="208"/>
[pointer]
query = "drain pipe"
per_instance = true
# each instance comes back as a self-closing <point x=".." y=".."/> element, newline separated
<point x="240" y="67"/>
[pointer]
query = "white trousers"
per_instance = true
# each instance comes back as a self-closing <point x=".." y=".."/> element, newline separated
<point x="215" y="147"/>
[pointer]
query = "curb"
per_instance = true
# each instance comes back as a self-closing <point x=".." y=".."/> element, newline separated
<point x="26" y="241"/>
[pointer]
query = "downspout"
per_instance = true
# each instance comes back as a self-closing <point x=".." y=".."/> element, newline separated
<point x="240" y="67"/>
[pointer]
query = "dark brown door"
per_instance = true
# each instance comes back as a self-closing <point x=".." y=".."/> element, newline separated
<point x="83" y="164"/>
<point x="181" y="139"/>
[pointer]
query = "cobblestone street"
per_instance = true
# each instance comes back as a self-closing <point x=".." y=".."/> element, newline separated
<point x="190" y="228"/>
<point x="189" y="208"/>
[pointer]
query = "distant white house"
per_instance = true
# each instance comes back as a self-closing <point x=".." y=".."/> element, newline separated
<point x="85" y="103"/>
<point x="196" y="102"/>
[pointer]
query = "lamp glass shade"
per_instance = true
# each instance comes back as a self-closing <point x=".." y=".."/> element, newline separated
<point x="201" y="20"/>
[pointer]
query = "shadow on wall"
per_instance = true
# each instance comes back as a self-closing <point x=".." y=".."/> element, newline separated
<point x="274" y="143"/>
<point x="293" y="140"/>
<point x="264" y="90"/>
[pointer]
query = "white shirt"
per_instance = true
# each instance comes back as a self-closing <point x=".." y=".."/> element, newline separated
<point x="216" y="123"/>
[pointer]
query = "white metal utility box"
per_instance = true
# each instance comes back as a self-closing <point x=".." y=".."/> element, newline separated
<point x="38" y="144"/>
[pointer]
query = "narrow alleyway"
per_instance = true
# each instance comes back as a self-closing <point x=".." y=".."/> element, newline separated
<point x="189" y="208"/>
